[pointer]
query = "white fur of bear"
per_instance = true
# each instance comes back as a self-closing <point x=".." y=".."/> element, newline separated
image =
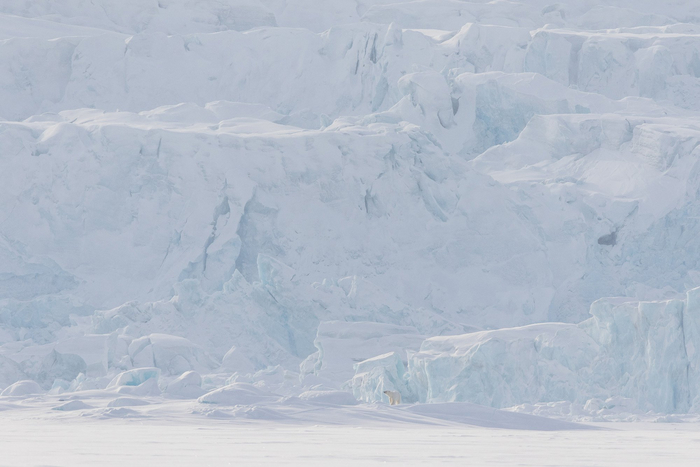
<point x="394" y="397"/>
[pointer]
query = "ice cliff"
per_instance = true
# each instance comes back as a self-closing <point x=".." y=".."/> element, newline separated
<point x="643" y="352"/>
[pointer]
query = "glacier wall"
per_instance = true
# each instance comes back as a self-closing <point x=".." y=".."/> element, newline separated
<point x="239" y="187"/>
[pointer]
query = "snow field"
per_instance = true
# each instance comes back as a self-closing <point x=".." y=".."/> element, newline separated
<point x="117" y="443"/>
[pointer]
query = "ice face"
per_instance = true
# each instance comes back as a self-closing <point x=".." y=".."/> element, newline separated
<point x="173" y="355"/>
<point x="341" y="345"/>
<point x="187" y="385"/>
<point x="10" y="372"/>
<point x="376" y="375"/>
<point x="134" y="377"/>
<point x="641" y="352"/>
<point x="148" y="168"/>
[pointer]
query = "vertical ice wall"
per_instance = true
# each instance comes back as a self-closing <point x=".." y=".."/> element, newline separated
<point x="642" y="351"/>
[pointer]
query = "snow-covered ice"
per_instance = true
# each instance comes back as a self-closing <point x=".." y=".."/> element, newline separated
<point x="269" y="212"/>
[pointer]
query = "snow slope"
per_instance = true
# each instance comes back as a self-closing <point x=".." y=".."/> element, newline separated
<point x="272" y="192"/>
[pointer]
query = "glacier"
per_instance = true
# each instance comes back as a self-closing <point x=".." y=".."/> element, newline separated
<point x="238" y="201"/>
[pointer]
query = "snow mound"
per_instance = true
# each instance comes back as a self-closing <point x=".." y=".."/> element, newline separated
<point x="329" y="397"/>
<point x="126" y="402"/>
<point x="477" y="415"/>
<point x="22" y="388"/>
<point x="73" y="405"/>
<point x="237" y="394"/>
<point x="116" y="412"/>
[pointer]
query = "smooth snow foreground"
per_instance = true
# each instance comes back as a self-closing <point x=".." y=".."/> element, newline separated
<point x="261" y="444"/>
<point x="244" y="218"/>
<point x="106" y="428"/>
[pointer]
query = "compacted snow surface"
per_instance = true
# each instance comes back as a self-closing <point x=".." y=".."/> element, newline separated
<point x="262" y="444"/>
<point x="227" y="225"/>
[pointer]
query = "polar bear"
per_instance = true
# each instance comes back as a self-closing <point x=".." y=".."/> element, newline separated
<point x="394" y="397"/>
